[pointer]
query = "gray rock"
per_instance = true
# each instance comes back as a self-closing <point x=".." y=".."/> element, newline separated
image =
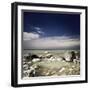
<point x="70" y="56"/>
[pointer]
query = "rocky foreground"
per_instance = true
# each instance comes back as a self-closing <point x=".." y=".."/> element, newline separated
<point x="49" y="64"/>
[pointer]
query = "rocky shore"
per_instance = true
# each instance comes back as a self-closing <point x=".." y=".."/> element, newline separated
<point x="49" y="64"/>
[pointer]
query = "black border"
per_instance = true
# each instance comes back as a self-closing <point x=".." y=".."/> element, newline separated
<point x="14" y="43"/>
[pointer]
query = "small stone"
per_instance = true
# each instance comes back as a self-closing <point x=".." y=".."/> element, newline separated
<point x="46" y="52"/>
<point x="62" y="69"/>
<point x="70" y="69"/>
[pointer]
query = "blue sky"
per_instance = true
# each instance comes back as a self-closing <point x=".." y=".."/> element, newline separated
<point x="54" y="28"/>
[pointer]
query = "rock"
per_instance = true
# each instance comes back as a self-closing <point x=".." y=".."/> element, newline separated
<point x="24" y="63"/>
<point x="25" y="74"/>
<point x="62" y="69"/>
<point x="51" y="59"/>
<point x="69" y="56"/>
<point x="35" y="60"/>
<point x="28" y="57"/>
<point x="25" y="55"/>
<point x="25" y="66"/>
<point x="59" y="59"/>
<point x="78" y="55"/>
<point x="46" y="52"/>
<point x="34" y="56"/>
<point x="73" y="66"/>
<point x="47" y="73"/>
<point x="49" y="55"/>
<point x="73" y="55"/>
<point x="70" y="69"/>
<point x="62" y="58"/>
<point x="53" y="72"/>
<point x="24" y="59"/>
<point x="41" y="57"/>
<point x="30" y="62"/>
<point x="63" y="61"/>
<point x="76" y="61"/>
<point x="33" y="71"/>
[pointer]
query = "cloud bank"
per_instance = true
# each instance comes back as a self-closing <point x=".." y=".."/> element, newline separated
<point x="34" y="41"/>
<point x="30" y="36"/>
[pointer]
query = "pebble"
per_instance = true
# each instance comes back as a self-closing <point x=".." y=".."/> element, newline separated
<point x="62" y="69"/>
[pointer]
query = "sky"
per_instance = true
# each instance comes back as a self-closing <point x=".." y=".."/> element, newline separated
<point x="51" y="30"/>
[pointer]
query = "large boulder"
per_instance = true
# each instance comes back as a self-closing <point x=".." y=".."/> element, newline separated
<point x="70" y="56"/>
<point x="34" y="56"/>
<point x="30" y="57"/>
<point x="73" y="55"/>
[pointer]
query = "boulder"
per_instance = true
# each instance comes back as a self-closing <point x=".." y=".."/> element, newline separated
<point x="30" y="57"/>
<point x="73" y="55"/>
<point x="34" y="56"/>
<point x="70" y="56"/>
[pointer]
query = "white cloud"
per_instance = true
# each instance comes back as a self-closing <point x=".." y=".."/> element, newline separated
<point x="40" y="32"/>
<point x="30" y="36"/>
<point x="56" y="42"/>
<point x="37" y="28"/>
